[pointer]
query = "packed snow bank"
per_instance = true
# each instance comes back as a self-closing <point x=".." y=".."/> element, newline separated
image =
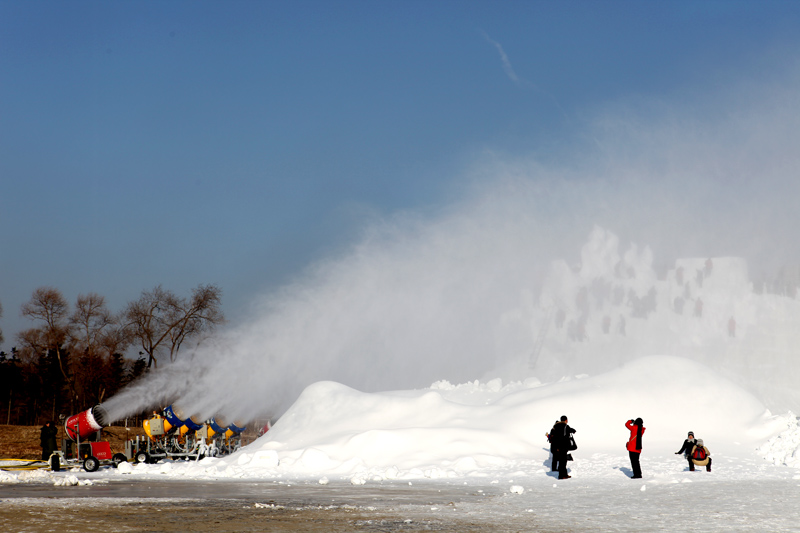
<point x="478" y="429"/>
<point x="42" y="476"/>
<point x="784" y="449"/>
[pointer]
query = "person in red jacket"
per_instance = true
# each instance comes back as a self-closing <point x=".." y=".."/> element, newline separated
<point x="634" y="445"/>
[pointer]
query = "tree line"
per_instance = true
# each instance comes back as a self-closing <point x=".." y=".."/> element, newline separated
<point x="73" y="357"/>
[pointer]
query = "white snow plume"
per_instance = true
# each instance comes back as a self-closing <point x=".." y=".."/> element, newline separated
<point x="414" y="302"/>
<point x="457" y="294"/>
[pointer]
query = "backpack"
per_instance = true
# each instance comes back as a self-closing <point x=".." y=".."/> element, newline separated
<point x="699" y="453"/>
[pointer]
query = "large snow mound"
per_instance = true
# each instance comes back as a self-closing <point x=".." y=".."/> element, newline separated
<point x="465" y="430"/>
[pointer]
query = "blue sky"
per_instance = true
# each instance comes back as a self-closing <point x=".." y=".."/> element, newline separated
<point x="179" y="143"/>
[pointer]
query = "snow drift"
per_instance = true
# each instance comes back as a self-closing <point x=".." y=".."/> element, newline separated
<point x="474" y="429"/>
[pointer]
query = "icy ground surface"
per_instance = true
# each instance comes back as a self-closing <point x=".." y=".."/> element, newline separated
<point x="696" y="502"/>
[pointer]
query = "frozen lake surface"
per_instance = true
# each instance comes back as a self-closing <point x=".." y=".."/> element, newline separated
<point x="695" y="504"/>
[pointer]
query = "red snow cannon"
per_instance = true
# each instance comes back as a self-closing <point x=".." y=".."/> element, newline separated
<point x="83" y="424"/>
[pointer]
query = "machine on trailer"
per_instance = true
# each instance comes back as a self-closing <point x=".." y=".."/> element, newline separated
<point x="82" y="444"/>
<point x="173" y="435"/>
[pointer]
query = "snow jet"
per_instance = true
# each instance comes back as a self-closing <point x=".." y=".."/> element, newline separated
<point x="467" y="290"/>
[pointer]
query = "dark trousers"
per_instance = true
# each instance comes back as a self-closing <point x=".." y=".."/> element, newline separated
<point x="708" y="466"/>
<point x="637" y="469"/>
<point x="561" y="458"/>
<point x="47" y="452"/>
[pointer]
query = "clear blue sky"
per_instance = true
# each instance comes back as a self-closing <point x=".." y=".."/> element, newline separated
<point x="179" y="143"/>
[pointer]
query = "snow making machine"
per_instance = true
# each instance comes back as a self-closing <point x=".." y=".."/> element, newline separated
<point x="173" y="435"/>
<point x="82" y="444"/>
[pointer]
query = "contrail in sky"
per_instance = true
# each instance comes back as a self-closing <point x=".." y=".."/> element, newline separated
<point x="504" y="58"/>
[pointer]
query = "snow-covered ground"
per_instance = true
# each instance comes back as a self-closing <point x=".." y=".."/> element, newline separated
<point x="488" y="438"/>
<point x="482" y="432"/>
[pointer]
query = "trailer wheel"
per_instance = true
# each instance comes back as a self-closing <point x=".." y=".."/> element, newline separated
<point x="119" y="458"/>
<point x="91" y="464"/>
<point x="142" y="457"/>
<point x="55" y="462"/>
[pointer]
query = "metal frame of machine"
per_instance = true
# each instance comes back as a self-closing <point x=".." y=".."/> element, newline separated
<point x="170" y="435"/>
<point x="88" y="454"/>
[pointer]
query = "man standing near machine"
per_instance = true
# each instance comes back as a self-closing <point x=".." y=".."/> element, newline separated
<point x="47" y="439"/>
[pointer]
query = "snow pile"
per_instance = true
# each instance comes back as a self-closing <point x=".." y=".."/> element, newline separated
<point x="474" y="430"/>
<point x="784" y="449"/>
<point x="35" y="476"/>
<point x="43" y="476"/>
<point x="70" y="480"/>
<point x="26" y="476"/>
<point x="8" y="477"/>
<point x="494" y="432"/>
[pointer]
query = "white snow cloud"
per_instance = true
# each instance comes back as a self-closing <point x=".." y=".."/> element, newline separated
<point x="455" y="294"/>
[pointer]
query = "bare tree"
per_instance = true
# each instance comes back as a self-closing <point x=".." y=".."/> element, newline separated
<point x="117" y="338"/>
<point x="161" y="321"/>
<point x="198" y="314"/>
<point x="1" y="316"/>
<point x="148" y="319"/>
<point x="33" y="342"/>
<point x="89" y="321"/>
<point x="96" y="337"/>
<point x="48" y="305"/>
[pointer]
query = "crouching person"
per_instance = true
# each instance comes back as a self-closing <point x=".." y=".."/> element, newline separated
<point x="700" y="456"/>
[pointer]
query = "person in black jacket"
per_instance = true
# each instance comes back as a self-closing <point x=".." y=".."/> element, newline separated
<point x="688" y="444"/>
<point x="47" y="439"/>
<point x="560" y="444"/>
<point x="554" y="461"/>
